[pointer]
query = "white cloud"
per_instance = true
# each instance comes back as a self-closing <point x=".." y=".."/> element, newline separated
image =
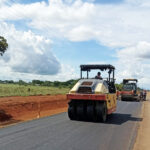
<point x="134" y="62"/>
<point x="28" y="53"/>
<point x="115" y="26"/>
<point x="29" y="57"/>
<point x="2" y="2"/>
<point x="67" y="72"/>
<point x="139" y="51"/>
<point x="124" y="26"/>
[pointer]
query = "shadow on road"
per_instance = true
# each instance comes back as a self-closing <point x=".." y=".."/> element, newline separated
<point x="118" y="119"/>
<point x="132" y="101"/>
<point x="115" y="118"/>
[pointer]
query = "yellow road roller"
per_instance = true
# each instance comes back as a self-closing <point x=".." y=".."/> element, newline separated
<point x="93" y="98"/>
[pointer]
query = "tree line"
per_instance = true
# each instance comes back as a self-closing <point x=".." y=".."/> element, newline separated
<point x="67" y="84"/>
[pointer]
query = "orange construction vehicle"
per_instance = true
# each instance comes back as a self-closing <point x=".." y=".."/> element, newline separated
<point x="129" y="91"/>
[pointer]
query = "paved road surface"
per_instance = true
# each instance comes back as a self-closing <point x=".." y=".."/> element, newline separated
<point x="59" y="133"/>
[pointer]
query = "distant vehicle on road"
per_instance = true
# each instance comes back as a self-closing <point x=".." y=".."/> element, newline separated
<point x="129" y="91"/>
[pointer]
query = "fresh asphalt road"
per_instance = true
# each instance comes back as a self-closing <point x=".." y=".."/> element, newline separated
<point x="59" y="133"/>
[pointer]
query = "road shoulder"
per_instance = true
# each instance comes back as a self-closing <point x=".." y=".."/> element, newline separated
<point x="143" y="137"/>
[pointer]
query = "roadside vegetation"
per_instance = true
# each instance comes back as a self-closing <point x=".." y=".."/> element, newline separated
<point x="36" y="87"/>
<point x="28" y="90"/>
<point x="3" y="45"/>
<point x="119" y="86"/>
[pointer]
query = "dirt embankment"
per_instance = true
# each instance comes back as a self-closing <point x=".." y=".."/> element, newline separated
<point x="143" y="137"/>
<point x="16" y="109"/>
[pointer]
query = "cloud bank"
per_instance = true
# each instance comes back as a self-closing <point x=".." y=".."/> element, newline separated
<point x="124" y="27"/>
<point x="28" y="53"/>
<point x="115" y="26"/>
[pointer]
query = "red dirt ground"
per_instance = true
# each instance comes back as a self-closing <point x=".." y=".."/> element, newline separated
<point x="16" y="109"/>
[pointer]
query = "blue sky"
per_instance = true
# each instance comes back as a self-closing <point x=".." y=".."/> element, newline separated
<point x="94" y="1"/>
<point x="31" y="1"/>
<point x="82" y="52"/>
<point x="108" y="1"/>
<point x="49" y="39"/>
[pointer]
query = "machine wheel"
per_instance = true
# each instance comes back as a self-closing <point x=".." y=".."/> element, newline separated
<point x="71" y="112"/>
<point x="80" y="111"/>
<point x="90" y="111"/>
<point x="101" y="111"/>
<point x="122" y="99"/>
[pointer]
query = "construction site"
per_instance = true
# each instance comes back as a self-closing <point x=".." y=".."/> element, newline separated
<point x="74" y="75"/>
<point x="91" y="101"/>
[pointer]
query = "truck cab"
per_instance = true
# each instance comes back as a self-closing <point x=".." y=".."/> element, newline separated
<point x="129" y="90"/>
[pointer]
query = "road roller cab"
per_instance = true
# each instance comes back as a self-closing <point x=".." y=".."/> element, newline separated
<point x="93" y="98"/>
<point x="129" y="90"/>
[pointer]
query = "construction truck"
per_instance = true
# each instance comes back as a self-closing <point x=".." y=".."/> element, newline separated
<point x="129" y="91"/>
<point x="93" y="98"/>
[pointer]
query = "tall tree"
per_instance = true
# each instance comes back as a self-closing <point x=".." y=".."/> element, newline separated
<point x="3" y="45"/>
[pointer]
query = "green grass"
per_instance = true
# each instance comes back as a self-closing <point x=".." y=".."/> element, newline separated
<point x="22" y="90"/>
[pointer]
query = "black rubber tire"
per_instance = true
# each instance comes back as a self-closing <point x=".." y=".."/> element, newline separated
<point x="123" y="99"/>
<point x="104" y="113"/>
<point x="80" y="111"/>
<point x="98" y="111"/>
<point x="71" y="112"/>
<point x="101" y="112"/>
<point x="90" y="112"/>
